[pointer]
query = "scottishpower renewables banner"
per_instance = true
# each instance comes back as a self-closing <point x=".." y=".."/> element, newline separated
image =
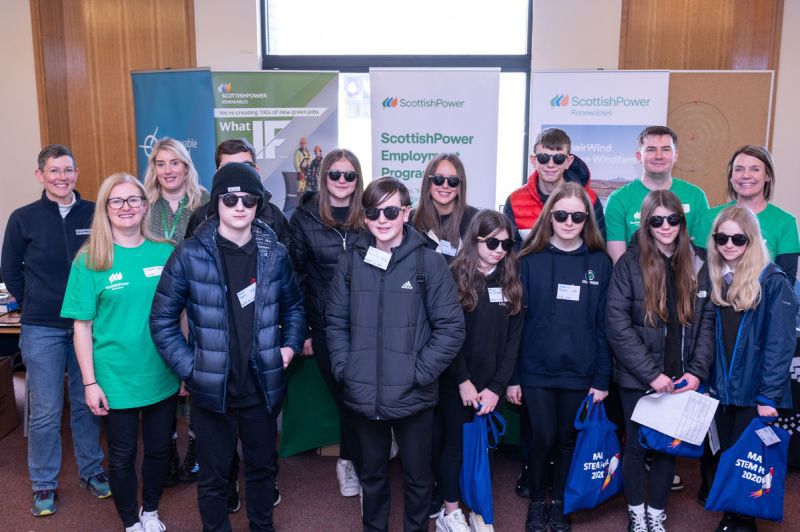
<point x="419" y="113"/>
<point x="274" y="111"/>
<point x="603" y="113"/>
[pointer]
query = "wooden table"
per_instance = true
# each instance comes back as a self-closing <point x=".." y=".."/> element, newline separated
<point x="9" y="323"/>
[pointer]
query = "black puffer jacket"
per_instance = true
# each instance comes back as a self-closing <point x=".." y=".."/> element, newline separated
<point x="315" y="251"/>
<point x="193" y="278"/>
<point x="638" y="348"/>
<point x="389" y="341"/>
<point x="469" y="214"/>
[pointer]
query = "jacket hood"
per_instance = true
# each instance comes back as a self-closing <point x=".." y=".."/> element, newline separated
<point x="205" y="232"/>
<point x="411" y="241"/>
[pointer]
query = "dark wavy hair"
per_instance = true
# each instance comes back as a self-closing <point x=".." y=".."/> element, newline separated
<point x="469" y="280"/>
<point x="426" y="218"/>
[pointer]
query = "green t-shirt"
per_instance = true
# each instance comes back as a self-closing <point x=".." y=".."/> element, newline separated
<point x="778" y="227"/>
<point x="624" y="205"/>
<point x="127" y="365"/>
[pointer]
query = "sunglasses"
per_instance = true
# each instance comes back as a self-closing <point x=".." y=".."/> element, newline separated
<point x="577" y="217"/>
<point x="738" y="239"/>
<point x="373" y="213"/>
<point x="657" y="221"/>
<point x="493" y="242"/>
<point x="334" y="175"/>
<point x="453" y="182"/>
<point x="544" y="158"/>
<point x="248" y="200"/>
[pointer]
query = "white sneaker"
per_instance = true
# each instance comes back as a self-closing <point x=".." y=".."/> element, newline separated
<point x="452" y="522"/>
<point x="476" y="523"/>
<point x="150" y="521"/>
<point x="349" y="485"/>
<point x="655" y="523"/>
<point x="135" y="528"/>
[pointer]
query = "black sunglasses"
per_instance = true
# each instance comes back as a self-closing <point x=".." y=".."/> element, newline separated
<point x="373" y="213"/>
<point x="738" y="239"/>
<point x="248" y="200"/>
<point x="334" y="175"/>
<point x="544" y="158"/>
<point x="577" y="217"/>
<point x="493" y="242"/>
<point x="453" y="182"/>
<point x="657" y="221"/>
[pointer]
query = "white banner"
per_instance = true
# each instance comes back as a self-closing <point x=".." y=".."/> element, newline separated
<point x="603" y="112"/>
<point x="419" y="113"/>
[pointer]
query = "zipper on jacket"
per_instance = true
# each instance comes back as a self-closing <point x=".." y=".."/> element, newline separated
<point x="379" y="350"/>
<point x="66" y="240"/>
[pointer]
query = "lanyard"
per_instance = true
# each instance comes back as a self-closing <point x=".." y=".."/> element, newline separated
<point x="169" y="234"/>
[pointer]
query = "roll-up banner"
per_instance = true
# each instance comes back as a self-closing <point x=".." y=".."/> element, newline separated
<point x="177" y="104"/>
<point x="277" y="112"/>
<point x="603" y="112"/>
<point x="419" y="113"/>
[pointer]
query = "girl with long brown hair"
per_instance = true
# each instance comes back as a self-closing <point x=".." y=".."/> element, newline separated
<point x="564" y="355"/>
<point x="660" y="325"/>
<point x="490" y="292"/>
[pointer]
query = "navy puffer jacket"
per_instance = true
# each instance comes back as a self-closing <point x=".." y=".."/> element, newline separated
<point x="193" y="278"/>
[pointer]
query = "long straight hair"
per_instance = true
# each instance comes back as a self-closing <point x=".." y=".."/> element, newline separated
<point x="354" y="215"/>
<point x="426" y="218"/>
<point x="471" y="281"/>
<point x="193" y="189"/>
<point x="745" y="290"/>
<point x="654" y="274"/>
<point x="99" y="247"/>
<point x="542" y="231"/>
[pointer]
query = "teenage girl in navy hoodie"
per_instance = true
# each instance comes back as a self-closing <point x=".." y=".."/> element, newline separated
<point x="565" y="273"/>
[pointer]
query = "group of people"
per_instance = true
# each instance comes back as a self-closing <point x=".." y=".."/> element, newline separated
<point x="419" y="320"/>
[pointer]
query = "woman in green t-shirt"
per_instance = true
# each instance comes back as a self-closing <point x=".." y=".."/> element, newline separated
<point x="109" y="293"/>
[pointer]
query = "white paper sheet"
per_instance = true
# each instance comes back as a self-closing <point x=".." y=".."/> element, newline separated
<point x="685" y="416"/>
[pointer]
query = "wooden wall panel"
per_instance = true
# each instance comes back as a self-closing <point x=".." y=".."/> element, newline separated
<point x="85" y="51"/>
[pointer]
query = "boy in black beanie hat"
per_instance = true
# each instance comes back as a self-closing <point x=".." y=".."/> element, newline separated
<point x="235" y="177"/>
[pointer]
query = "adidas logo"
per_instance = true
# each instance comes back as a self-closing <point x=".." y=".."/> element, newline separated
<point x="407" y="286"/>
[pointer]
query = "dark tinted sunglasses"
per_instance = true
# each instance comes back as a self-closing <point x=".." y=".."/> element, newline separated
<point x="453" y="182"/>
<point x="544" y="158"/>
<point x="577" y="217"/>
<point x="738" y="239"/>
<point x="373" y="213"/>
<point x="248" y="200"/>
<point x="493" y="242"/>
<point x="657" y="221"/>
<point x="334" y="175"/>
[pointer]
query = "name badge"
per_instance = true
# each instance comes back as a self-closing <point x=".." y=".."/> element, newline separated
<point x="247" y="295"/>
<point x="83" y="232"/>
<point x="377" y="258"/>
<point x="496" y="295"/>
<point x="686" y="208"/>
<point x="768" y="436"/>
<point x="445" y="248"/>
<point x="702" y="293"/>
<point x="569" y="292"/>
<point x="153" y="271"/>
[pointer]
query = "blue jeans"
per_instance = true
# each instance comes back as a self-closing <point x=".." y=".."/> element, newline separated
<point x="48" y="352"/>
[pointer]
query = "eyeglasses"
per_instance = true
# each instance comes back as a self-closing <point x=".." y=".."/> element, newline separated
<point x="334" y="175"/>
<point x="453" y="181"/>
<point x="544" y="158"/>
<point x="231" y="199"/>
<point x="134" y="202"/>
<point x="57" y="172"/>
<point x="493" y="242"/>
<point x="577" y="217"/>
<point x="373" y="213"/>
<point x="738" y="239"/>
<point x="657" y="221"/>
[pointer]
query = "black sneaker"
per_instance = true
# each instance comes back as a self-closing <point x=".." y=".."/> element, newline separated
<point x="233" y="497"/>
<point x="522" y="489"/>
<point x="537" y="517"/>
<point x="727" y="524"/>
<point x="174" y="465"/>
<point x="435" y="508"/>
<point x="558" y="521"/>
<point x="277" y="495"/>
<point x="677" y="483"/>
<point x="189" y="470"/>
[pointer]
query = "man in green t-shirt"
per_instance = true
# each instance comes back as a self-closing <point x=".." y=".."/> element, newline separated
<point x="658" y="151"/>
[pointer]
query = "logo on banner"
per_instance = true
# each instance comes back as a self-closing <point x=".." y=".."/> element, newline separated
<point x="559" y="100"/>
<point x="224" y="88"/>
<point x="265" y="137"/>
<point x="390" y="102"/>
<point x="151" y="140"/>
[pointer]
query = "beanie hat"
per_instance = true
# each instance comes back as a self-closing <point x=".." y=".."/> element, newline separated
<point x="236" y="177"/>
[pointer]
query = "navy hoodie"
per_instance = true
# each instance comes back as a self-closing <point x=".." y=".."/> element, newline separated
<point x="38" y="249"/>
<point x="563" y="340"/>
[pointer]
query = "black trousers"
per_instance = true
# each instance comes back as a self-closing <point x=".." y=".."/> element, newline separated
<point x="122" y="433"/>
<point x="662" y="468"/>
<point x="454" y="414"/>
<point x="551" y="412"/>
<point x="348" y="443"/>
<point x="217" y="436"/>
<point x="413" y="435"/>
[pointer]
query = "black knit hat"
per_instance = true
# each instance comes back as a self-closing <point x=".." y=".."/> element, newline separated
<point x="236" y="177"/>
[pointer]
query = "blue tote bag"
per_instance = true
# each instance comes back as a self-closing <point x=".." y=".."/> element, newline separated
<point x="658" y="441"/>
<point x="476" y="478"/>
<point x="750" y="476"/>
<point x="595" y="474"/>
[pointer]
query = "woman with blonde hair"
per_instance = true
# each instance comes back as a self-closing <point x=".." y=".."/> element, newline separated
<point x="109" y="295"/>
<point x="755" y="334"/>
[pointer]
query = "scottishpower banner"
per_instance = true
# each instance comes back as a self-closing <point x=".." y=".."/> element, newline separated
<point x="603" y="113"/>
<point x="419" y="113"/>
<point x="274" y="111"/>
